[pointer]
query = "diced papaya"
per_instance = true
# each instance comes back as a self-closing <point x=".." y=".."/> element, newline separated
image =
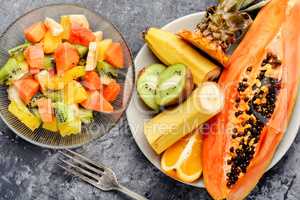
<point x="81" y="35"/>
<point x="24" y="115"/>
<point x="27" y="88"/>
<point x="45" y="109"/>
<point x="51" y="42"/>
<point x="91" y="81"/>
<point x="66" y="57"/>
<point x="34" y="56"/>
<point x="65" y="22"/>
<point x="51" y="126"/>
<point x="102" y="47"/>
<point x="74" y="93"/>
<point x="114" y="55"/>
<point x="35" y="33"/>
<point x="97" y="102"/>
<point x="111" y="91"/>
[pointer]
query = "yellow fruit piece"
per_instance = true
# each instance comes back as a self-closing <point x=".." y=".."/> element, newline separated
<point x="102" y="48"/>
<point x="70" y="127"/>
<point x="170" y="49"/>
<point x="65" y="22"/>
<point x="73" y="74"/>
<point x="74" y="93"/>
<point x="51" y="42"/>
<point x="168" y="127"/>
<point x="59" y="82"/>
<point x="51" y="126"/>
<point x="24" y="115"/>
<point x="183" y="159"/>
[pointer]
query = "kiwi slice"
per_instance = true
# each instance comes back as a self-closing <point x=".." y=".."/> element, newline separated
<point x="147" y="83"/>
<point x="174" y="86"/>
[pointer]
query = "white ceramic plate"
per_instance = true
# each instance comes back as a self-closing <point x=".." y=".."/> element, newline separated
<point x="137" y="114"/>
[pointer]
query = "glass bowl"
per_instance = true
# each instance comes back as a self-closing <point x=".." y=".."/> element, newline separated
<point x="103" y="122"/>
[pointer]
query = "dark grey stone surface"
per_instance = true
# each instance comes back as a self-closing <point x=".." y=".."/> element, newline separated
<point x="29" y="172"/>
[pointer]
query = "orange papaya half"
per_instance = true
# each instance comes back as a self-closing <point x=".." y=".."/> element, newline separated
<point x="260" y="89"/>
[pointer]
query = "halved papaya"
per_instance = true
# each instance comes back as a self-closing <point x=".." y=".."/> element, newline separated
<point x="260" y="89"/>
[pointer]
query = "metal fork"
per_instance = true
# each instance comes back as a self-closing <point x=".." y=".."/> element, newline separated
<point x="93" y="173"/>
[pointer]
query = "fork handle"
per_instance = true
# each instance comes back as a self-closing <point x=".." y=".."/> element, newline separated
<point x="130" y="193"/>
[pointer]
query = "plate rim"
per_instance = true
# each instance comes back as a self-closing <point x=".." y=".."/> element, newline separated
<point x="199" y="184"/>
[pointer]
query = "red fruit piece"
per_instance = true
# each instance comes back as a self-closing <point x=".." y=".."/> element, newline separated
<point x="97" y="102"/>
<point x="114" y="55"/>
<point x="45" y="109"/>
<point x="111" y="91"/>
<point x="27" y="88"/>
<point x="66" y="57"/>
<point x="91" y="81"/>
<point x="81" y="35"/>
<point x="36" y="32"/>
<point x="34" y="56"/>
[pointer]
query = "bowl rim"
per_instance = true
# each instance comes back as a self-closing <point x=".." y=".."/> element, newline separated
<point x="131" y="90"/>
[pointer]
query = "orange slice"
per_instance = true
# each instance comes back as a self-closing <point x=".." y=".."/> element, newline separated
<point x="182" y="160"/>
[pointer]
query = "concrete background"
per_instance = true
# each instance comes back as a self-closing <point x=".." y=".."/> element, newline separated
<point x="29" y="172"/>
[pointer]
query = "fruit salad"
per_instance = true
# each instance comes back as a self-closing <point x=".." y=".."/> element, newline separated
<point x="61" y="74"/>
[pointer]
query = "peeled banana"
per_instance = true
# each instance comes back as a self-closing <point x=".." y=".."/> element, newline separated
<point x="169" y="126"/>
<point x="170" y="49"/>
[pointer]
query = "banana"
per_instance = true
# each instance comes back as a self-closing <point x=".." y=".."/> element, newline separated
<point x="166" y="128"/>
<point x="170" y="49"/>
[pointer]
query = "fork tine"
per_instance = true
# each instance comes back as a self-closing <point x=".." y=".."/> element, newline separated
<point x="81" y="170"/>
<point x="82" y="177"/>
<point x="82" y="163"/>
<point x="86" y="159"/>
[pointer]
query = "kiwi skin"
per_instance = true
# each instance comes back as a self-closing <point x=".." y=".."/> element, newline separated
<point x="186" y="92"/>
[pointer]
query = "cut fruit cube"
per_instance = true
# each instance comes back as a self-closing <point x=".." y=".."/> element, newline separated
<point x="66" y="24"/>
<point x="97" y="102"/>
<point x="51" y="126"/>
<point x="55" y="28"/>
<point x="91" y="81"/>
<point x="111" y="91"/>
<point x="81" y="35"/>
<point x="114" y="55"/>
<point x="21" y="112"/>
<point x="36" y="32"/>
<point x="45" y="109"/>
<point x="34" y="56"/>
<point x="73" y="74"/>
<point x="74" y="93"/>
<point x="69" y="127"/>
<point x="81" y="20"/>
<point x="91" y="61"/>
<point x="102" y="47"/>
<point x="27" y="88"/>
<point x="99" y="36"/>
<point x="66" y="57"/>
<point x="51" y="42"/>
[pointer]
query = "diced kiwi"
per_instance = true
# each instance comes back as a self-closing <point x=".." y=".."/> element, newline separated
<point x="55" y="96"/>
<point x="82" y="50"/>
<point x="63" y="112"/>
<point x="86" y="116"/>
<point x="49" y="62"/>
<point x="12" y="70"/>
<point x="105" y="68"/>
<point x="18" y="49"/>
<point x="147" y="84"/>
<point x="174" y="86"/>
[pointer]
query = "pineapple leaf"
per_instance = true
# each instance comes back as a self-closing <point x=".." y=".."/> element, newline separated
<point x="256" y="6"/>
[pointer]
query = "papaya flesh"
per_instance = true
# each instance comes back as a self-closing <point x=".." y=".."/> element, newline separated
<point x="260" y="88"/>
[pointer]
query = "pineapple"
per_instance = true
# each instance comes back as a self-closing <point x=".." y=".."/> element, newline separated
<point x="222" y="26"/>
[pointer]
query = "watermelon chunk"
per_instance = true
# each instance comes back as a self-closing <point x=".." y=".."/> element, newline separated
<point x="27" y="88"/>
<point x="81" y="35"/>
<point x="66" y="57"/>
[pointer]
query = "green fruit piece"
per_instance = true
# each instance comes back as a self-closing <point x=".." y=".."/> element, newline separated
<point x="48" y="62"/>
<point x="86" y="116"/>
<point x="18" y="49"/>
<point x="174" y="85"/>
<point x="64" y="113"/>
<point x="55" y="96"/>
<point x="13" y="70"/>
<point x="107" y="69"/>
<point x="82" y="50"/>
<point x="147" y="84"/>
